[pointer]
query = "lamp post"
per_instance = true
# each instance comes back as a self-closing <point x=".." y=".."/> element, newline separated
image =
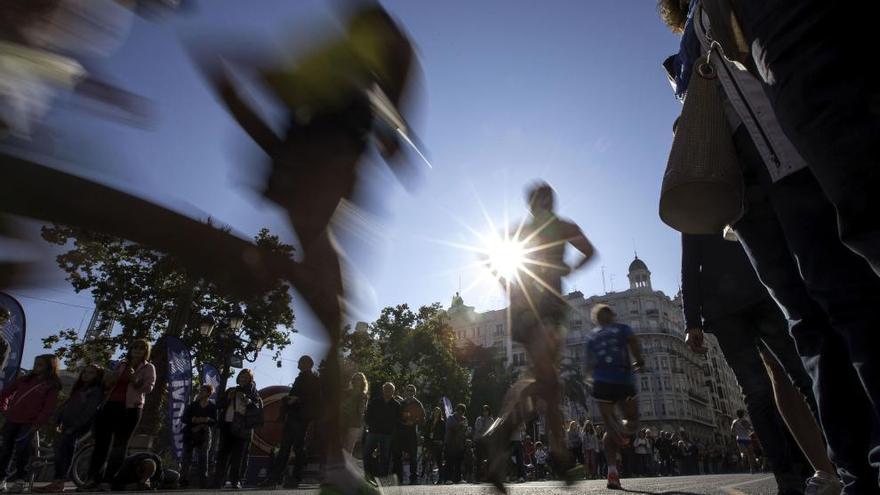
<point x="230" y="341"/>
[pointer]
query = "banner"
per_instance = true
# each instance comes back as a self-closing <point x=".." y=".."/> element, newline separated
<point x="179" y="390"/>
<point x="447" y="407"/>
<point x="11" y="338"/>
<point x="210" y="376"/>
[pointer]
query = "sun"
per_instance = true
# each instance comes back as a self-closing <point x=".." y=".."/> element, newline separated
<point x="505" y="256"/>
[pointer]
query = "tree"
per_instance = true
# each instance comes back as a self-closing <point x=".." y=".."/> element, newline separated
<point x="405" y="347"/>
<point x="491" y="377"/>
<point x="150" y="294"/>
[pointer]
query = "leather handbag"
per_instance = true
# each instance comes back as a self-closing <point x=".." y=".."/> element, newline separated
<point x="702" y="189"/>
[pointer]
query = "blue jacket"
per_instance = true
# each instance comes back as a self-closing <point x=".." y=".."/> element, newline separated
<point x="679" y="66"/>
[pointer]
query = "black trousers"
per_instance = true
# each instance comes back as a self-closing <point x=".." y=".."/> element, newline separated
<point x="17" y="438"/>
<point x="114" y="425"/>
<point x="200" y="446"/>
<point x="231" y="457"/>
<point x="741" y="335"/>
<point x="454" y="459"/>
<point x="293" y="438"/>
<point x="406" y="442"/>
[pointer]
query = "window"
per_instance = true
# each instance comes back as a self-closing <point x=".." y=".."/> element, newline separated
<point x="664" y="363"/>
<point x="646" y="384"/>
<point x="666" y="385"/>
<point x="499" y="329"/>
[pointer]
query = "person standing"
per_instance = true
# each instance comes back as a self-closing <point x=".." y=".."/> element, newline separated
<point x="27" y="404"/>
<point x="302" y="407"/>
<point x="354" y="407"/>
<point x="722" y="294"/>
<point x="240" y="412"/>
<point x="591" y="447"/>
<point x="75" y="419"/>
<point x="199" y="419"/>
<point x="383" y="416"/>
<point x="456" y="432"/>
<point x="481" y="426"/>
<point x="127" y="386"/>
<point x="412" y="413"/>
<point x="435" y="434"/>
<point x="794" y="216"/>
<point x="640" y="445"/>
<point x="575" y="442"/>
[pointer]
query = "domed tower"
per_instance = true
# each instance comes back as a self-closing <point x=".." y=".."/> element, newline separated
<point x="639" y="275"/>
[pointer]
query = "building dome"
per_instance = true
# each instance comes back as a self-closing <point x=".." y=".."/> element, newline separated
<point x="637" y="264"/>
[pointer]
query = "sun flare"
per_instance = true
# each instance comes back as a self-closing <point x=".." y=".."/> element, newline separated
<point x="505" y="256"/>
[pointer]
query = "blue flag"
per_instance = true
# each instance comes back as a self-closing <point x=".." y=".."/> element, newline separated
<point x="11" y="338"/>
<point x="179" y="390"/>
<point x="210" y="376"/>
<point x="447" y="407"/>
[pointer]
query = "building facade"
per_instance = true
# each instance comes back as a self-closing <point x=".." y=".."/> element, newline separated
<point x="677" y="389"/>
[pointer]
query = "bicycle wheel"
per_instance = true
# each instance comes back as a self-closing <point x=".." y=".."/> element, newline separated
<point x="79" y="468"/>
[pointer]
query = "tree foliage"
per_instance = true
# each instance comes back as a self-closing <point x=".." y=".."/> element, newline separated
<point x="491" y="378"/>
<point x="404" y="347"/>
<point x="150" y="294"/>
<point x="141" y="290"/>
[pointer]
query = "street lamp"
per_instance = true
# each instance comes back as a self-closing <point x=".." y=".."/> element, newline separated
<point x="206" y="326"/>
<point x="236" y="319"/>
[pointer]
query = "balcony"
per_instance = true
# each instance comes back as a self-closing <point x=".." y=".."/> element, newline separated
<point x="698" y="397"/>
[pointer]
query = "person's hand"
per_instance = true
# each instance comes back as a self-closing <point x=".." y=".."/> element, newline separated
<point x="695" y="340"/>
<point x="638" y="365"/>
<point x="59" y="429"/>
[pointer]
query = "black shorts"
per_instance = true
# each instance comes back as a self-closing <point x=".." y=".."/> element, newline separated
<point x="613" y="392"/>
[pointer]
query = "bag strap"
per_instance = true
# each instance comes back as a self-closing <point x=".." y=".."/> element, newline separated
<point x="727" y="31"/>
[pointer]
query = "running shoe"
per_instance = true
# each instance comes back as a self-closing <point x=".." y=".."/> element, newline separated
<point x="614" y="481"/>
<point x="823" y="483"/>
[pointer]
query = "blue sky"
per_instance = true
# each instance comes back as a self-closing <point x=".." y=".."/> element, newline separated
<point x="512" y="90"/>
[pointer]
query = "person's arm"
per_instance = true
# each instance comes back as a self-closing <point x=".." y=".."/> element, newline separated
<point x="635" y="348"/>
<point x="691" y="292"/>
<point x="7" y="393"/>
<point x="215" y="69"/>
<point x="147" y="379"/>
<point x="576" y="238"/>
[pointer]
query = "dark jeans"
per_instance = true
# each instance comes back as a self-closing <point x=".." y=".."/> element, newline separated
<point x="231" y="457"/>
<point x="516" y="449"/>
<point x="454" y="459"/>
<point x="293" y="437"/>
<point x="642" y="464"/>
<point x="18" y="438"/>
<point x="65" y="446"/>
<point x="810" y="54"/>
<point x="114" y="425"/>
<point x="437" y="456"/>
<point x="382" y="442"/>
<point x="830" y="296"/>
<point x="200" y="445"/>
<point x="406" y="442"/>
<point x="741" y="335"/>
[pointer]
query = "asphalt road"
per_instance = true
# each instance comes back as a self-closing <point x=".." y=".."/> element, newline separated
<point x="723" y="484"/>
